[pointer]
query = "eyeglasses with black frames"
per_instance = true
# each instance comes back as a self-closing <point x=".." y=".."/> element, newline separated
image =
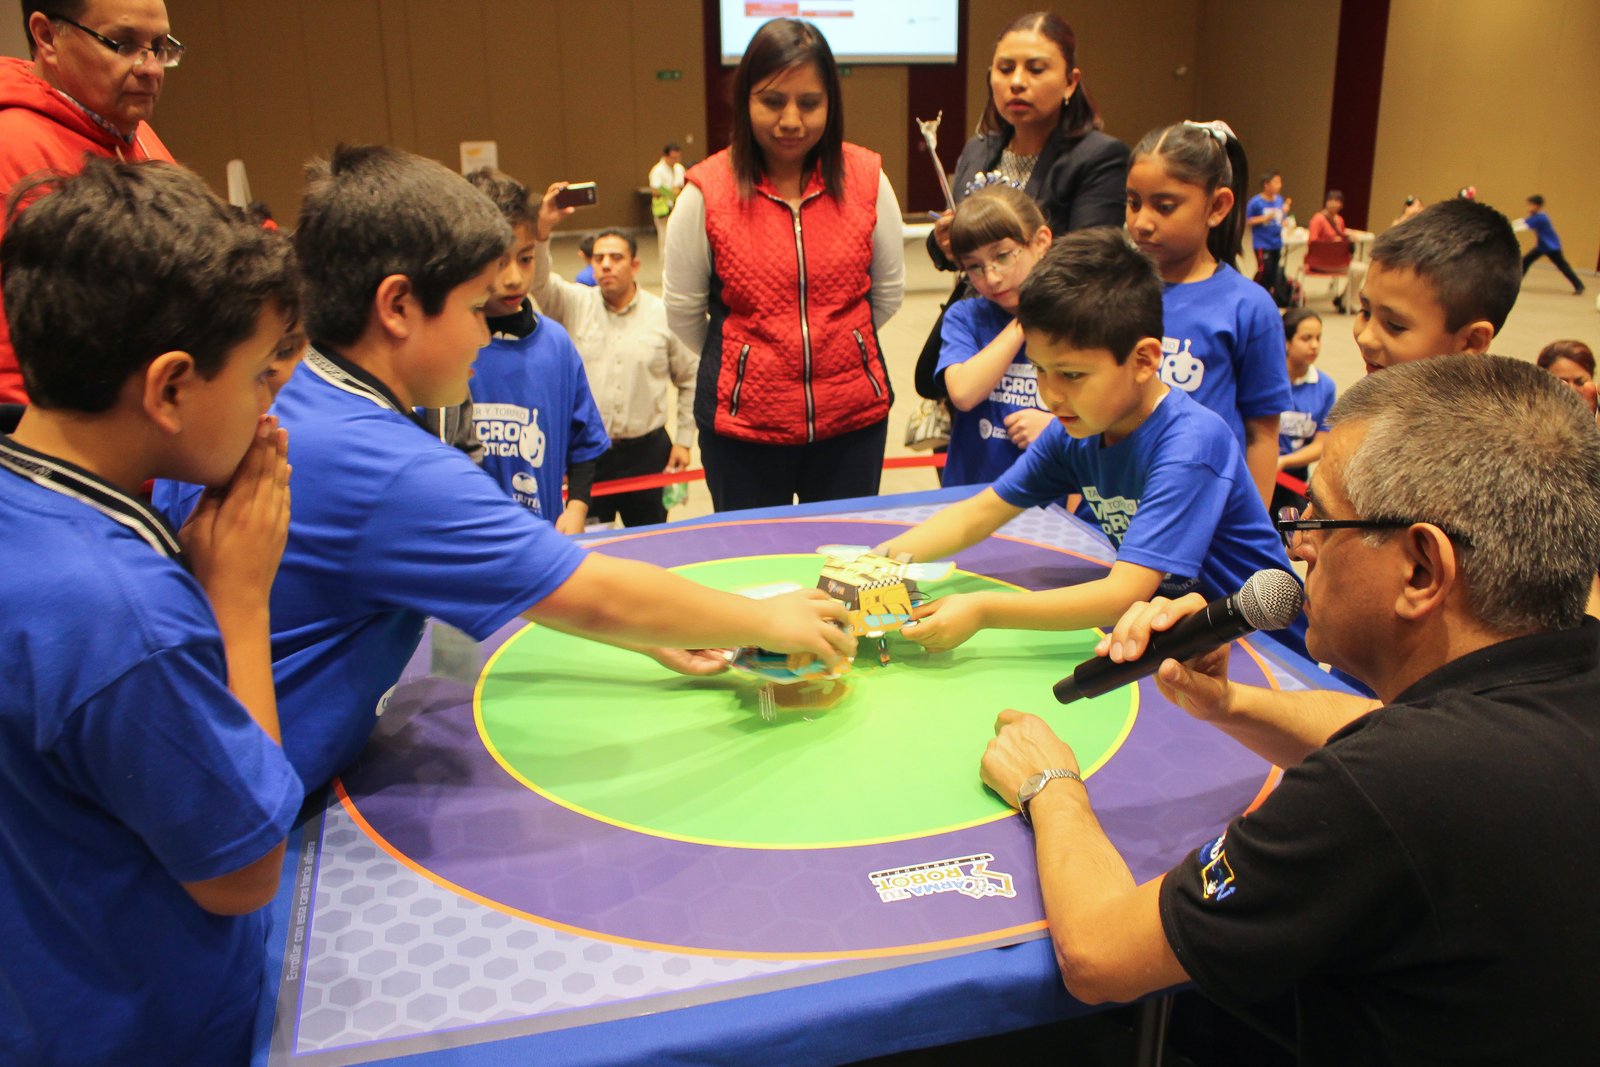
<point x="167" y="51"/>
<point x="1290" y="526"/>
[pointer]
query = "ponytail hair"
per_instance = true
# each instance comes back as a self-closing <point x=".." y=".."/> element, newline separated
<point x="994" y="213"/>
<point x="1078" y="115"/>
<point x="1210" y="156"/>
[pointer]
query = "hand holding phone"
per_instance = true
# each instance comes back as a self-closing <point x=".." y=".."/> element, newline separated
<point x="577" y="194"/>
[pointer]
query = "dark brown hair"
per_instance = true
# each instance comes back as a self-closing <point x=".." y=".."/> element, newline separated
<point x="1093" y="290"/>
<point x="991" y="214"/>
<point x="508" y="194"/>
<point x="1292" y="318"/>
<point x="1078" y="115"/>
<point x="1210" y="158"/>
<point x="1577" y="351"/>
<point x="111" y="267"/>
<point x="371" y="211"/>
<point x="778" y="46"/>
<point x="1467" y="253"/>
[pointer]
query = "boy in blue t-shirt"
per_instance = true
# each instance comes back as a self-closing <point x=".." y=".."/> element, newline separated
<point x="392" y="525"/>
<point x="1265" y="215"/>
<point x="143" y="799"/>
<point x="531" y="405"/>
<point x="1548" y="244"/>
<point x="1162" y="476"/>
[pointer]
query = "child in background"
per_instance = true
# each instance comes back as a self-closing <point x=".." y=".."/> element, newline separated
<point x="585" y="275"/>
<point x="1440" y="283"/>
<point x="1223" y="344"/>
<point x="998" y="234"/>
<point x="1159" y="474"/>
<point x="531" y="405"/>
<point x="1302" y="429"/>
<point x="143" y="798"/>
<point x="1548" y="244"/>
<point x="1265" y="216"/>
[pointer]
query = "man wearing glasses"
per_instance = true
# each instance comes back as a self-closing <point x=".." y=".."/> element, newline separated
<point x="1418" y="889"/>
<point x="91" y="88"/>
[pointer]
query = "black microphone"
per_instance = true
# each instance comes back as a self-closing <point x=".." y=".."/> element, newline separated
<point x="1270" y="600"/>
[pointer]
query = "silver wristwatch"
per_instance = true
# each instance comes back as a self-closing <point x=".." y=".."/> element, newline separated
<point x="1034" y="784"/>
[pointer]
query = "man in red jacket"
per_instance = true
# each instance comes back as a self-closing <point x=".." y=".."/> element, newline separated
<point x="96" y="74"/>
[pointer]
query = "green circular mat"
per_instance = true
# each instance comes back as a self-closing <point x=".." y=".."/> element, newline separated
<point x="620" y="738"/>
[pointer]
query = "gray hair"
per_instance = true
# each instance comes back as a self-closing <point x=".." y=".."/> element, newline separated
<point x="1499" y="454"/>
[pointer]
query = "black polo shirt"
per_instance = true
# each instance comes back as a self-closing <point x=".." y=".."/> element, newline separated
<point x="1421" y="889"/>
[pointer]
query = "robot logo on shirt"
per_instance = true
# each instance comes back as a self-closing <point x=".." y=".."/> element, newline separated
<point x="1180" y="369"/>
<point x="1297" y="425"/>
<point x="531" y="443"/>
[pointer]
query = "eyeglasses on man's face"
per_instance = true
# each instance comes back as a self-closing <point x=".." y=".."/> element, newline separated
<point x="167" y="51"/>
<point x="1291" y="526"/>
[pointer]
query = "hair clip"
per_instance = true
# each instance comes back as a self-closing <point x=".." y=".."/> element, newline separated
<point x="1216" y="128"/>
<point x="993" y="177"/>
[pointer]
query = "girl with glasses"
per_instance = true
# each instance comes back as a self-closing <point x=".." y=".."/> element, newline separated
<point x="997" y="237"/>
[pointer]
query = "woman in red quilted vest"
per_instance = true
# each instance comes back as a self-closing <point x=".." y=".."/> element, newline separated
<point x="783" y="256"/>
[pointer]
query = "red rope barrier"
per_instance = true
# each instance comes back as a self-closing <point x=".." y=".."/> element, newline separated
<point x="932" y="459"/>
<point x="1291" y="483"/>
<point x="695" y="474"/>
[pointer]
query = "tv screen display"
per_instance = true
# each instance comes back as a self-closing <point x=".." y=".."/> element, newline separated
<point x="858" y="31"/>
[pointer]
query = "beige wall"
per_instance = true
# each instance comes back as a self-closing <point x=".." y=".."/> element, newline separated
<point x="875" y="116"/>
<point x="1500" y="96"/>
<point x="12" y="40"/>
<point x="1268" y="71"/>
<point x="566" y="88"/>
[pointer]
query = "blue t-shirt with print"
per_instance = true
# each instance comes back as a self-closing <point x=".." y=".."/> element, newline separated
<point x="533" y="411"/>
<point x="1307" y="415"/>
<point x="1223" y="345"/>
<point x="1267" y="236"/>
<point x="127" y="768"/>
<point x="980" y="450"/>
<point x="1173" y="496"/>
<point x="389" y="527"/>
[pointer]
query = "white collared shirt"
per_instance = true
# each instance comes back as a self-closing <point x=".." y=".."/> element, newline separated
<point x="629" y="355"/>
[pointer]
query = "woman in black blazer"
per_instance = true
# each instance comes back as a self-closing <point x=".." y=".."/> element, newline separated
<point x="1041" y="131"/>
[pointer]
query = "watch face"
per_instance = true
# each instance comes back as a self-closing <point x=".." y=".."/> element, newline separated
<point x="1030" y="786"/>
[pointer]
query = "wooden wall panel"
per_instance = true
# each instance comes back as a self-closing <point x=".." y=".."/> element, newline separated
<point x="667" y="37"/>
<point x="272" y="90"/>
<point x="1245" y="84"/>
<point x="875" y="117"/>
<point x="445" y="48"/>
<point x="525" y="98"/>
<point x="347" y="98"/>
<point x="196" y="115"/>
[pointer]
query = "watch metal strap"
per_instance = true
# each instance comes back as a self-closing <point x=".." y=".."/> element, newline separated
<point x="1053" y="772"/>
